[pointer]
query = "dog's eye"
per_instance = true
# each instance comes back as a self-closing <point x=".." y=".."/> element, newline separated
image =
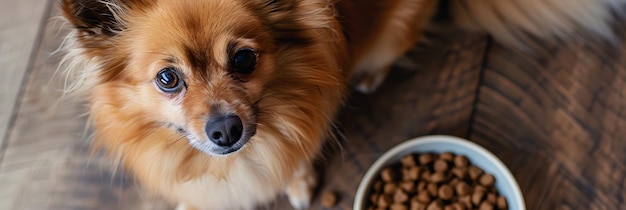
<point x="168" y="80"/>
<point x="243" y="61"/>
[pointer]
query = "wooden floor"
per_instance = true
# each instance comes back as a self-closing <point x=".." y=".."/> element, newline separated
<point x="556" y="118"/>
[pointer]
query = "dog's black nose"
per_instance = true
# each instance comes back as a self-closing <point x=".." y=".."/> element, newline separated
<point x="224" y="130"/>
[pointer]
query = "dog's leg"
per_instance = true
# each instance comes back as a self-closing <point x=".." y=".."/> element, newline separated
<point x="301" y="186"/>
<point x="377" y="43"/>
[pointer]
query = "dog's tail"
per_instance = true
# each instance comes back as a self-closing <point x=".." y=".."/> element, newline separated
<point x="516" y="21"/>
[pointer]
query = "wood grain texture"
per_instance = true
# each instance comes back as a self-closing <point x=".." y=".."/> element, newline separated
<point x="20" y="24"/>
<point x="557" y="119"/>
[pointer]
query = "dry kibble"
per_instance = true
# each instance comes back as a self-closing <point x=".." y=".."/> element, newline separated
<point x="486" y="180"/>
<point x="458" y="206"/>
<point x="486" y="206"/>
<point x="445" y="192"/>
<point x="387" y="175"/>
<point x="491" y="197"/>
<point x="477" y="197"/>
<point x="453" y="181"/>
<point x="400" y="196"/>
<point x="426" y="175"/>
<point x="411" y="173"/>
<point x="378" y="185"/>
<point x="426" y="158"/>
<point x="398" y="206"/>
<point x="480" y="188"/>
<point x="435" y="205"/>
<point x="437" y="177"/>
<point x="408" y="161"/>
<point x="440" y="166"/>
<point x="501" y="203"/>
<point x="408" y="187"/>
<point x="432" y="189"/>
<point x="329" y="199"/>
<point x="421" y="185"/>
<point x="466" y="201"/>
<point x="474" y="172"/>
<point x="459" y="172"/>
<point x="423" y="197"/>
<point x="462" y="188"/>
<point x="374" y="198"/>
<point x="390" y="188"/>
<point x="460" y="161"/>
<point x="384" y="201"/>
<point x="434" y="182"/>
<point x="447" y="156"/>
<point x="417" y="205"/>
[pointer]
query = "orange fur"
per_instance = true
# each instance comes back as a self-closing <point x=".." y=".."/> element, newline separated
<point x="304" y="62"/>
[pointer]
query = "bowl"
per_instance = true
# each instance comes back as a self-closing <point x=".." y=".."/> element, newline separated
<point x="477" y="155"/>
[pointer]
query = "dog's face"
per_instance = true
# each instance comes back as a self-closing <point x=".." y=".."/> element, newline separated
<point x="201" y="75"/>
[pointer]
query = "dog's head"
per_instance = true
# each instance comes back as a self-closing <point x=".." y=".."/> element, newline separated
<point x="215" y="72"/>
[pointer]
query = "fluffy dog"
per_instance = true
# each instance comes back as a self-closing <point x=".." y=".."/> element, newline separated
<point x="224" y="104"/>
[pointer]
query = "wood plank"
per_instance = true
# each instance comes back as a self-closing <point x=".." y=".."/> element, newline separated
<point x="20" y="22"/>
<point x="557" y="119"/>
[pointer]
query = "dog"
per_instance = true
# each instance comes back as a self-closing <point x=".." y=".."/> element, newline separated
<point x="225" y="104"/>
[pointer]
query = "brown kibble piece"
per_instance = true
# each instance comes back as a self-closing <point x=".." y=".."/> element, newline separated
<point x="448" y="207"/>
<point x="486" y="205"/>
<point x="501" y="202"/>
<point x="408" y="160"/>
<point x="387" y="175"/>
<point x="446" y="192"/>
<point x="437" y="177"/>
<point x="435" y="205"/>
<point x="487" y="180"/>
<point x="390" y="188"/>
<point x="329" y="199"/>
<point x="423" y="197"/>
<point x="417" y="205"/>
<point x="440" y="166"/>
<point x="466" y="201"/>
<point x="462" y="188"/>
<point x="458" y="206"/>
<point x="426" y="158"/>
<point x="398" y="206"/>
<point x="447" y="156"/>
<point x="459" y="172"/>
<point x="480" y="188"/>
<point x="378" y="185"/>
<point x="421" y="185"/>
<point x="411" y="173"/>
<point x="384" y="201"/>
<point x="460" y="161"/>
<point x="474" y="172"/>
<point x="453" y="181"/>
<point x="477" y="197"/>
<point x="432" y="189"/>
<point x="400" y="196"/>
<point x="426" y="175"/>
<point x="373" y="198"/>
<point x="408" y="187"/>
<point x="491" y="197"/>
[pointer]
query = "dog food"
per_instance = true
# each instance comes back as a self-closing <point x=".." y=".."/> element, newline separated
<point x="434" y="182"/>
<point x="329" y="199"/>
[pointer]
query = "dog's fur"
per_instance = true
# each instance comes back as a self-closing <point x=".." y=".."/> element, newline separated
<point x="307" y="52"/>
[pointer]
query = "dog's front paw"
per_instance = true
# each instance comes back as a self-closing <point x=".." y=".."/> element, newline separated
<point x="300" y="189"/>
<point x="369" y="81"/>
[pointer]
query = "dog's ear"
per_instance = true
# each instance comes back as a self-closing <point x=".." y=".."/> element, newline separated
<point x="95" y="18"/>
